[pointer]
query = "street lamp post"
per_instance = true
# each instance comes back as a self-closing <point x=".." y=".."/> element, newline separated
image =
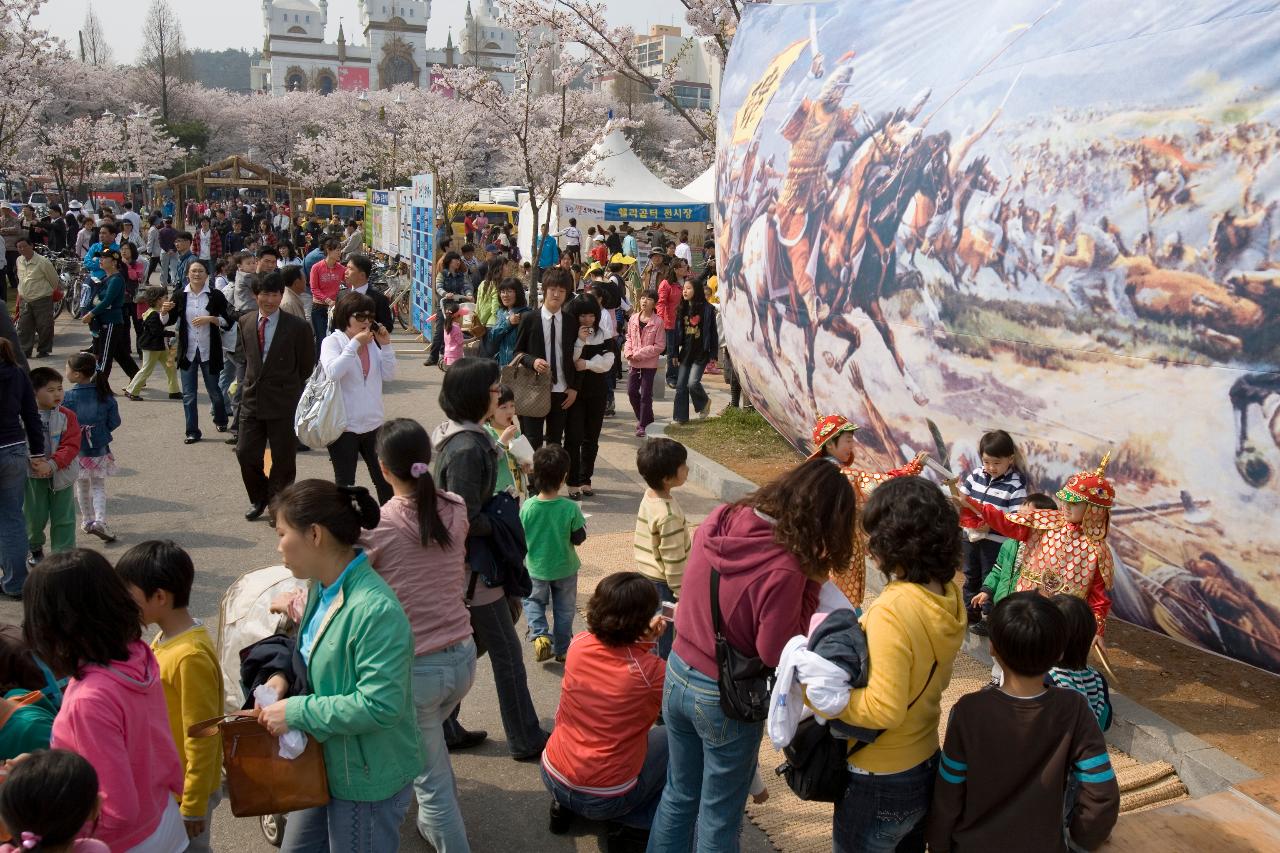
<point x="127" y="163"/>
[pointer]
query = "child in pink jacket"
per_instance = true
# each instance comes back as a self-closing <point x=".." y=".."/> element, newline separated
<point x="453" y="337"/>
<point x="645" y="342"/>
<point x="81" y="619"/>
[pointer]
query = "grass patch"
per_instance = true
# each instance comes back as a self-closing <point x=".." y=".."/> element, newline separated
<point x="742" y="441"/>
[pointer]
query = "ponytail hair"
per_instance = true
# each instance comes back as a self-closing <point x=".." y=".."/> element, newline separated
<point x="8" y="355"/>
<point x="404" y="448"/>
<point x="342" y="510"/>
<point x="86" y="364"/>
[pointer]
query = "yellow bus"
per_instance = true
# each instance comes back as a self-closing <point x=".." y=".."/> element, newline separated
<point x="497" y="214"/>
<point x="345" y="208"/>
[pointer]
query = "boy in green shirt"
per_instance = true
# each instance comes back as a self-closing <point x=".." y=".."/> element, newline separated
<point x="553" y="525"/>
<point x="1003" y="577"/>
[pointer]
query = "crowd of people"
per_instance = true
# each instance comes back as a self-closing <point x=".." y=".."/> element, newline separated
<point x="476" y="523"/>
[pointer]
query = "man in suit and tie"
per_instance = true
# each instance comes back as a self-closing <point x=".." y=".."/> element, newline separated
<point x="546" y="346"/>
<point x="279" y="354"/>
<point x="359" y="268"/>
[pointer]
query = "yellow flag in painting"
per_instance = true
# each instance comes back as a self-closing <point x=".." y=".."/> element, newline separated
<point x="753" y="106"/>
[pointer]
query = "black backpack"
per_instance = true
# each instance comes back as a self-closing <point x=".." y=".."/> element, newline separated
<point x="816" y="766"/>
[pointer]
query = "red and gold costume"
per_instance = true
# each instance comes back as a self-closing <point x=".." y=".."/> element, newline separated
<point x="1059" y="556"/>
<point x="853" y="580"/>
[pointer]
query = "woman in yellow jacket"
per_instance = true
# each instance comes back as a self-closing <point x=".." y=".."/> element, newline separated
<point x="914" y="630"/>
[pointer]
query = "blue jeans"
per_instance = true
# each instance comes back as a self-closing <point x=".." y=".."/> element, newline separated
<point x="346" y="826"/>
<point x="885" y="812"/>
<point x="319" y="325"/>
<point x="634" y="808"/>
<point x="668" y="636"/>
<point x="710" y="768"/>
<point x="440" y="680"/>
<point x="562" y="595"/>
<point x="190" y="375"/>
<point x="689" y="389"/>
<point x="15" y="465"/>
<point x="673" y="341"/>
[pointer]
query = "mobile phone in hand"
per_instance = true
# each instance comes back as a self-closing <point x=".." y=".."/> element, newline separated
<point x="668" y="611"/>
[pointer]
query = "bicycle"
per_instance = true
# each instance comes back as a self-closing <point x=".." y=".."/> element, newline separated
<point x="400" y="295"/>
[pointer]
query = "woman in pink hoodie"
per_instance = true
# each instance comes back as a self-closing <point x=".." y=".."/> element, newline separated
<point x="772" y="550"/>
<point x="419" y="549"/>
<point x="646" y="339"/>
<point x="81" y="620"/>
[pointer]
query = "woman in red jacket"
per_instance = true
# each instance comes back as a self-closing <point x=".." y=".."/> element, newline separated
<point x="772" y="550"/>
<point x="604" y="759"/>
<point x="669" y="295"/>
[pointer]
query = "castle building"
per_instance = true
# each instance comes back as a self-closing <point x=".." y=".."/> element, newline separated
<point x="296" y="56"/>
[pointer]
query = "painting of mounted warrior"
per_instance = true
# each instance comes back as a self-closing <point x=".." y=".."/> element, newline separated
<point x="938" y="219"/>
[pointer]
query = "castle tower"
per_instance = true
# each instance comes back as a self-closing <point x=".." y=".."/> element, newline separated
<point x="395" y="31"/>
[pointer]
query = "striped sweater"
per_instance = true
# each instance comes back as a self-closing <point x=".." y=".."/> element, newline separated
<point x="1004" y="771"/>
<point x="1006" y="492"/>
<point x="1090" y="684"/>
<point x="661" y="545"/>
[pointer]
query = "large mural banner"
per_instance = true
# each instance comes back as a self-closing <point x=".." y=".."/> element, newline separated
<point x="940" y="217"/>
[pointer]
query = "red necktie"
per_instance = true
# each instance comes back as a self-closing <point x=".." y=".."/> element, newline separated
<point x="262" y="336"/>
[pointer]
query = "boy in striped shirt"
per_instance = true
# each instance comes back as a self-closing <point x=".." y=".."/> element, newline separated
<point x="661" y="545"/>
<point x="1015" y="754"/>
<point x="1073" y="671"/>
<point x="1000" y="483"/>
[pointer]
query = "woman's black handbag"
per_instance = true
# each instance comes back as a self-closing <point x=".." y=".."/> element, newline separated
<point x="745" y="682"/>
<point x="817" y="765"/>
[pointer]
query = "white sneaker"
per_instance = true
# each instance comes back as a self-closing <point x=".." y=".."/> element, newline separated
<point x="100" y="529"/>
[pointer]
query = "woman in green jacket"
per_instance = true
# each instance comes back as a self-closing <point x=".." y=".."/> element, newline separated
<point x="358" y="650"/>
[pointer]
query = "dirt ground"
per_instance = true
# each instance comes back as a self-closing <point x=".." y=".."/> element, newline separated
<point x="1229" y="705"/>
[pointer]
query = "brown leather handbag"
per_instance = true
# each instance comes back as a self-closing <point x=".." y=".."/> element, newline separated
<point x="259" y="781"/>
<point x="532" y="389"/>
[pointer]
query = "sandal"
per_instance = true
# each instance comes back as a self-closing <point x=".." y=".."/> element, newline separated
<point x="575" y="496"/>
<point x="132" y="396"/>
<point x="587" y="492"/>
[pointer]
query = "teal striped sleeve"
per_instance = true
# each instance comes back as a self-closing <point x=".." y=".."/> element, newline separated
<point x="1094" y="769"/>
<point x="951" y="770"/>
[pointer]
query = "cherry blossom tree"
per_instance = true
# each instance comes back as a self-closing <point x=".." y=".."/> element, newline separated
<point x="70" y="152"/>
<point x="29" y="54"/>
<point x="717" y="20"/>
<point x="584" y="22"/>
<point x="549" y="136"/>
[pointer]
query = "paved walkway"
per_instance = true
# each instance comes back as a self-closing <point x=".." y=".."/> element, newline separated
<point x="193" y="494"/>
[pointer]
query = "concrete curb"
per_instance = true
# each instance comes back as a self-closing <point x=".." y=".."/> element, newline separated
<point x="1137" y="730"/>
<point x="712" y="476"/>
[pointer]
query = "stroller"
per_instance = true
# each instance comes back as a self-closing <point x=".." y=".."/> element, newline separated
<point x="244" y="618"/>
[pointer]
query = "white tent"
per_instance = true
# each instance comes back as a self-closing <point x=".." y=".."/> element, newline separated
<point x="623" y="177"/>
<point x="626" y="191"/>
<point x="703" y="188"/>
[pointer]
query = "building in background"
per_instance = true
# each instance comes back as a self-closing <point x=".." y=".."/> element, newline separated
<point x="696" y="70"/>
<point x="296" y="56"/>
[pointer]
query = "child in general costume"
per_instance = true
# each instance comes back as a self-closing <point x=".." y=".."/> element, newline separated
<point x="833" y="439"/>
<point x="1066" y="550"/>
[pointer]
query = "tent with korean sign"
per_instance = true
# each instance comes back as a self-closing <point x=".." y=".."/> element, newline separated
<point x="627" y="191"/>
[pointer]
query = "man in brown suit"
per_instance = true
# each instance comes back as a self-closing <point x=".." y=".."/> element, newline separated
<point x="279" y="354"/>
